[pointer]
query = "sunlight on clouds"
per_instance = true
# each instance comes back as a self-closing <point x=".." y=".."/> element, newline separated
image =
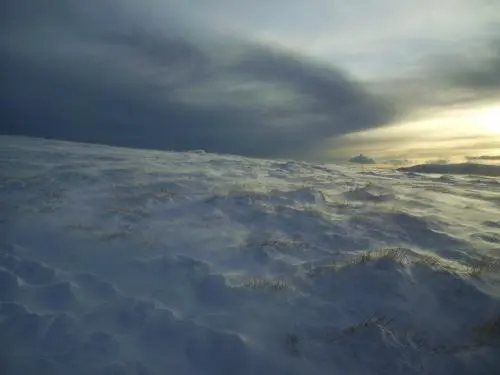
<point x="489" y="120"/>
<point x="449" y="134"/>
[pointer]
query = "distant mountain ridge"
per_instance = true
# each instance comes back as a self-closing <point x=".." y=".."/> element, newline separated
<point x="460" y="168"/>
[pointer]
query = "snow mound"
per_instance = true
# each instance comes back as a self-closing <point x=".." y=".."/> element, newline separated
<point x="362" y="159"/>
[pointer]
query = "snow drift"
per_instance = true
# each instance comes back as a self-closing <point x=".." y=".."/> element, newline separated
<point x="118" y="261"/>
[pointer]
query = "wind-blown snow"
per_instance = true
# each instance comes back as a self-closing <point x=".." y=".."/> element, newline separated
<point x="118" y="261"/>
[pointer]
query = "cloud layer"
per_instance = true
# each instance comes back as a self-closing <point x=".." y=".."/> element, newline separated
<point x="107" y="77"/>
<point x="214" y="75"/>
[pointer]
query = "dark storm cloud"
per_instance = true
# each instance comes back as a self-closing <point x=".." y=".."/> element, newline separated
<point x="72" y="75"/>
<point x="334" y="93"/>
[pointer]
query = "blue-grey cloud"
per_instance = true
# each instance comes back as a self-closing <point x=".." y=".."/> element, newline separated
<point x="482" y="75"/>
<point x="448" y="79"/>
<point x="106" y="76"/>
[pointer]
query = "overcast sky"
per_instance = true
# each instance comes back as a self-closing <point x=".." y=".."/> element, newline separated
<point x="305" y="79"/>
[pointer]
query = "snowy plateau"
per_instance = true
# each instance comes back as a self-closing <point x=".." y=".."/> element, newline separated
<point x="122" y="261"/>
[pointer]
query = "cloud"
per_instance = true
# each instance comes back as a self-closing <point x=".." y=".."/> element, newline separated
<point x="440" y="138"/>
<point x="444" y="80"/>
<point x="109" y="78"/>
<point x="213" y="74"/>
<point x="482" y="74"/>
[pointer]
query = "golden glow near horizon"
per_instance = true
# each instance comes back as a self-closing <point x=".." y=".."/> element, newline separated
<point x="489" y="120"/>
<point x="451" y="134"/>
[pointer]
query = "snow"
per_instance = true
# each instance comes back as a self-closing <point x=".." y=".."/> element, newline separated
<point x="121" y="261"/>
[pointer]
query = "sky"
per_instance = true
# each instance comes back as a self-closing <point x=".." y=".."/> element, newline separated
<point x="316" y="80"/>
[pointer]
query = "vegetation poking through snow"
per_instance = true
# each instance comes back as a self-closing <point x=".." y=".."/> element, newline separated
<point x="267" y="283"/>
<point x="406" y="256"/>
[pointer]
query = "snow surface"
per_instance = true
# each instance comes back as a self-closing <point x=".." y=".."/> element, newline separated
<point x="119" y="261"/>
